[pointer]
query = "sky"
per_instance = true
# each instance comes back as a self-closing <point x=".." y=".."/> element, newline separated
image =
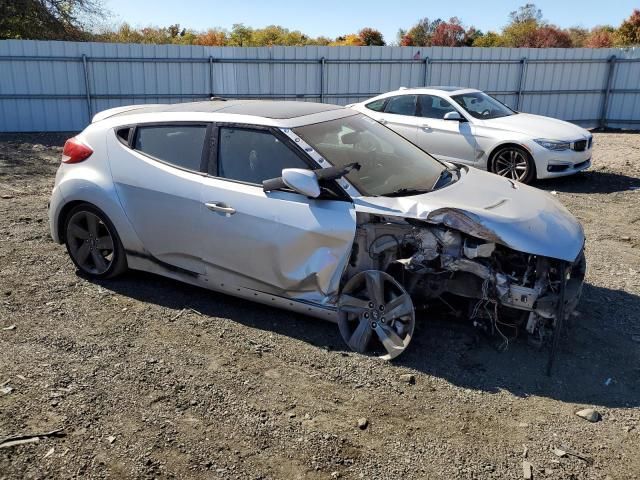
<point x="337" y="17"/>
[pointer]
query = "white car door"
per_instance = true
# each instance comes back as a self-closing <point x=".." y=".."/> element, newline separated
<point x="277" y="242"/>
<point x="157" y="176"/>
<point x="399" y="115"/>
<point x="448" y="140"/>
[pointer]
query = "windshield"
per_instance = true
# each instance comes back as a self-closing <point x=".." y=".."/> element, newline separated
<point x="482" y="106"/>
<point x="389" y="164"/>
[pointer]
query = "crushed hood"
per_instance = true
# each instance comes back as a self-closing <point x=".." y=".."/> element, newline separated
<point x="493" y="208"/>
<point x="537" y="126"/>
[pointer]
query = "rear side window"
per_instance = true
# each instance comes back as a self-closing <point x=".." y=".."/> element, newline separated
<point x="253" y="155"/>
<point x="377" y="105"/>
<point x="401" y="105"/>
<point x="179" y="145"/>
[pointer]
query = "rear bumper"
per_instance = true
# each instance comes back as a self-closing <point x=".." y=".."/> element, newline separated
<point x="55" y="206"/>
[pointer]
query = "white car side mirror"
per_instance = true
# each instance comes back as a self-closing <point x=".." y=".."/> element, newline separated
<point x="301" y="181"/>
<point x="453" y="116"/>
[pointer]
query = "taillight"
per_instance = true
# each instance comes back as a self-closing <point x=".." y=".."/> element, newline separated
<point x="75" y="151"/>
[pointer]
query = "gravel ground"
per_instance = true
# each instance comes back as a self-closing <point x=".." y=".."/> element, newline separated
<point x="150" y="378"/>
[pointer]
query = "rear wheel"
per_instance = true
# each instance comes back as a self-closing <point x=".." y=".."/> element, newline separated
<point x="514" y="163"/>
<point x="93" y="243"/>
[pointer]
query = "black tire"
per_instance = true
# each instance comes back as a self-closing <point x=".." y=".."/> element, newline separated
<point x="508" y="162"/>
<point x="89" y="237"/>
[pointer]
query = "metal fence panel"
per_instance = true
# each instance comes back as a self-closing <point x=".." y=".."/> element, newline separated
<point x="49" y="86"/>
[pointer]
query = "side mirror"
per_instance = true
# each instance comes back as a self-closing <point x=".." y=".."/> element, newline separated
<point x="453" y="116"/>
<point x="299" y="180"/>
<point x="302" y="181"/>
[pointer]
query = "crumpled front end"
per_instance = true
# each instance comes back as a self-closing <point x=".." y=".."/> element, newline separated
<point x="502" y="291"/>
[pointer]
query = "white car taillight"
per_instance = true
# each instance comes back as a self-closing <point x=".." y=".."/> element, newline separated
<point x="75" y="151"/>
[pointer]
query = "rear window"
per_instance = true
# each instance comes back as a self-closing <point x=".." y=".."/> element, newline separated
<point x="179" y="145"/>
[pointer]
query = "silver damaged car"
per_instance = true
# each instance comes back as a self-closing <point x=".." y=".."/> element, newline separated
<point x="317" y="209"/>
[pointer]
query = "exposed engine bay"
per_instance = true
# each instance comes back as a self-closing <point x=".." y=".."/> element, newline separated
<point x="503" y="292"/>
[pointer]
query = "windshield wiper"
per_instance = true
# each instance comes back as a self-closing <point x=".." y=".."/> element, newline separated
<point x="406" y="192"/>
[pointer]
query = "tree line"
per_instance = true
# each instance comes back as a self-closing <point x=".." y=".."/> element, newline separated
<point x="80" y="19"/>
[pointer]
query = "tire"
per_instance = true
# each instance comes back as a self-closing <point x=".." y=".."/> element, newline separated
<point x="514" y="163"/>
<point x="93" y="243"/>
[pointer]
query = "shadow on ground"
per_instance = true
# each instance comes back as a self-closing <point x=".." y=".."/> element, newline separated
<point x="590" y="182"/>
<point x="598" y="346"/>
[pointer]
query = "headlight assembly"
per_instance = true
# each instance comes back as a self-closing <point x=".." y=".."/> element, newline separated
<point x="555" y="145"/>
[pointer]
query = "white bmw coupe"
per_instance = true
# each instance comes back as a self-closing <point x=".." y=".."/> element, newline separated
<point x="468" y="126"/>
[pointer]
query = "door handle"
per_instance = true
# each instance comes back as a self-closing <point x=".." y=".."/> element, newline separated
<point x="220" y="207"/>
<point x="425" y="126"/>
<point x="382" y="121"/>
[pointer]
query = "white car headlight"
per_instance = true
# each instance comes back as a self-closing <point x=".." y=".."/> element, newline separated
<point x="555" y="145"/>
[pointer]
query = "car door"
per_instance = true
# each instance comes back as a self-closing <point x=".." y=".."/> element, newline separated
<point x="277" y="242"/>
<point x="447" y="140"/>
<point x="157" y="171"/>
<point x="399" y="115"/>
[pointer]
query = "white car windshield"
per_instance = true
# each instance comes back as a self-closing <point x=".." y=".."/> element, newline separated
<point x="389" y="164"/>
<point x="482" y="106"/>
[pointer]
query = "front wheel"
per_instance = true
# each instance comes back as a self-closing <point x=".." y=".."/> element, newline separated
<point x="514" y="163"/>
<point x="93" y="243"/>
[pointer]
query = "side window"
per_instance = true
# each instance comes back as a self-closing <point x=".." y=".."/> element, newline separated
<point x="377" y="105"/>
<point x="401" y="105"/>
<point x="179" y="145"/>
<point x="253" y="155"/>
<point x="431" y="106"/>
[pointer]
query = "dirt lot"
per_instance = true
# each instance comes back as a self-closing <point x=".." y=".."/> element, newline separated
<point x="229" y="389"/>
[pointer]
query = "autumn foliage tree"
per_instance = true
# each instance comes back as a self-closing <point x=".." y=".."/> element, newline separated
<point x="448" y="34"/>
<point x="629" y="31"/>
<point x="78" y="20"/>
<point x="371" y="37"/>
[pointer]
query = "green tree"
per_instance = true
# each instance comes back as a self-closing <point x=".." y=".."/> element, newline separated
<point x="489" y="39"/>
<point x="240" y="36"/>
<point x="48" y="19"/>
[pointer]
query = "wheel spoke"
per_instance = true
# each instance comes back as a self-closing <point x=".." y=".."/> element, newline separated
<point x="361" y="337"/>
<point x="398" y="307"/>
<point x="99" y="261"/>
<point x="351" y="304"/>
<point x="104" y="243"/>
<point x="392" y="343"/>
<point x="83" y="253"/>
<point x="374" y="287"/>
<point x="76" y="231"/>
<point x="92" y="223"/>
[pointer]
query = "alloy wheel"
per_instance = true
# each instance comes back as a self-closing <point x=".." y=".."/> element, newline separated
<point x="376" y="314"/>
<point x="512" y="163"/>
<point x="90" y="242"/>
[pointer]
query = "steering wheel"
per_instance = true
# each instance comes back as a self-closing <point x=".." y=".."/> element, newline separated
<point x="485" y="113"/>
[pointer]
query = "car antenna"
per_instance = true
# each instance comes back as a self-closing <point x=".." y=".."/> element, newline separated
<point x="217" y="99"/>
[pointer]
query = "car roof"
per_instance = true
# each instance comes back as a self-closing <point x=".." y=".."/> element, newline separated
<point x="447" y="90"/>
<point x="258" y="108"/>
